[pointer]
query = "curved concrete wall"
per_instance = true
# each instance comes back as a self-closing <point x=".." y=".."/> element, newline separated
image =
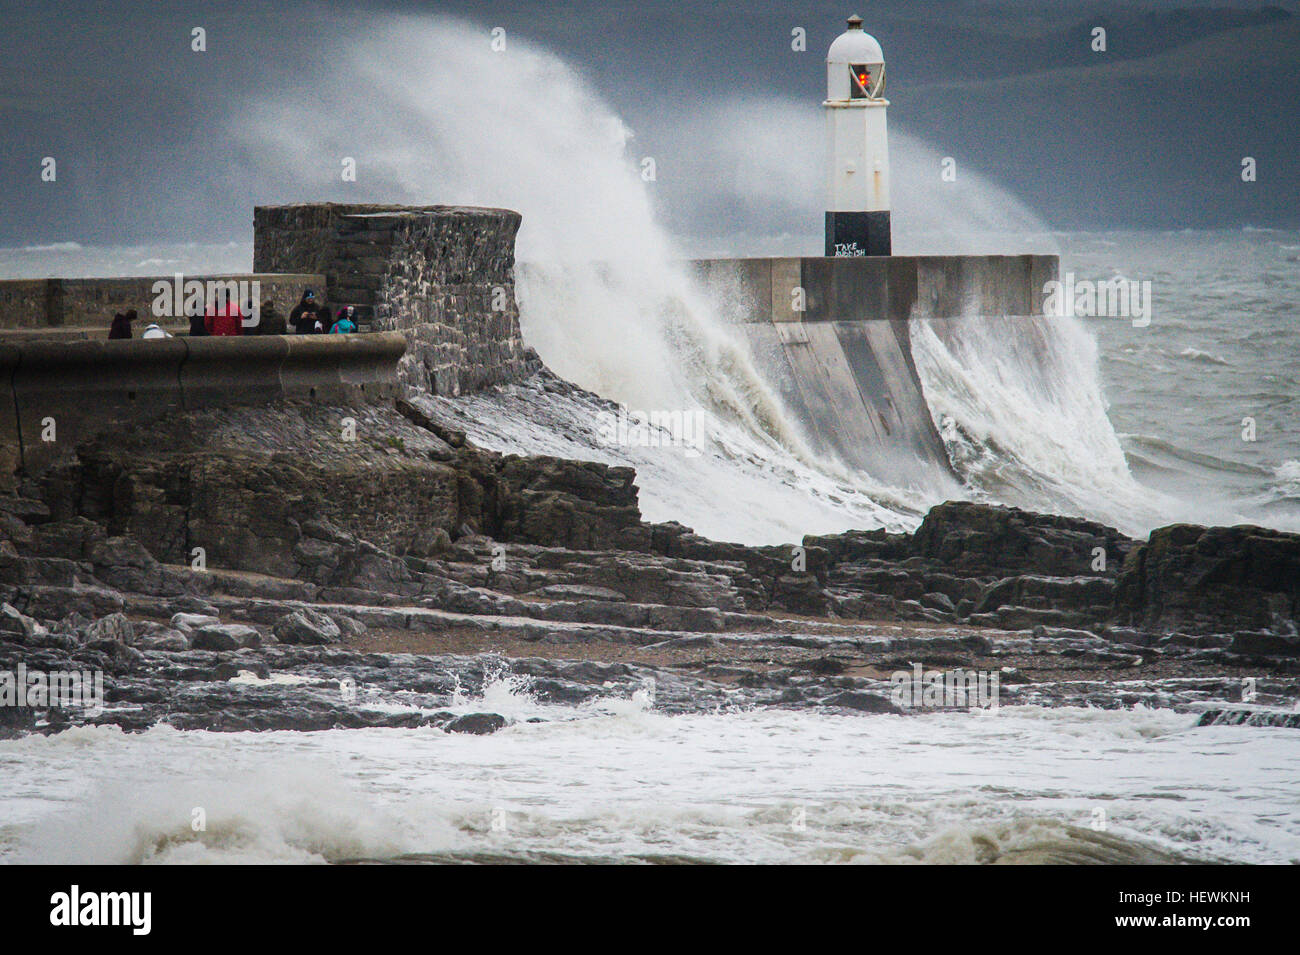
<point x="832" y="336"/>
<point x="57" y="394"/>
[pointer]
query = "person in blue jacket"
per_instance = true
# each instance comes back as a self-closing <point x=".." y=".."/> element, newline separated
<point x="346" y="323"/>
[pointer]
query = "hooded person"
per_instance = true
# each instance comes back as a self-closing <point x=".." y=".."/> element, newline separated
<point x="194" y="311"/>
<point x="121" y="327"/>
<point x="304" y="316"/>
<point x="272" y="322"/>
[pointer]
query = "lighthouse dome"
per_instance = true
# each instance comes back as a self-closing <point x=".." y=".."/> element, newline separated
<point x="855" y="65"/>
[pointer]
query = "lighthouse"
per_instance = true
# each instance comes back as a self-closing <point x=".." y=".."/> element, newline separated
<point x="857" y="145"/>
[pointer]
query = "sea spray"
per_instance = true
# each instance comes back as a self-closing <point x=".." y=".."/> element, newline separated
<point x="607" y="303"/>
<point x="1021" y="411"/>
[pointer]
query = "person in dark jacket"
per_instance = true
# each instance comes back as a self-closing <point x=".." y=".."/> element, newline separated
<point x="272" y="322"/>
<point x="305" y="314"/>
<point x="121" y="327"/>
<point x="197" y="326"/>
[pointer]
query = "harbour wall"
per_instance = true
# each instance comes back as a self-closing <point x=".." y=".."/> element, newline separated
<point x="55" y="394"/>
<point x="833" y="337"/>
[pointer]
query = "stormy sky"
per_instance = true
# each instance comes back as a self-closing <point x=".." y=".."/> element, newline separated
<point x="1150" y="133"/>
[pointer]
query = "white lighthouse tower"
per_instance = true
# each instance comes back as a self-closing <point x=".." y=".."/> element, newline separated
<point x="857" y="211"/>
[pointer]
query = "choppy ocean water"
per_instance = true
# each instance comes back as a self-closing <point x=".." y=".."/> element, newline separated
<point x="612" y="780"/>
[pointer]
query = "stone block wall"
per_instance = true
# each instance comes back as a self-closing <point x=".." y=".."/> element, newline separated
<point x="441" y="275"/>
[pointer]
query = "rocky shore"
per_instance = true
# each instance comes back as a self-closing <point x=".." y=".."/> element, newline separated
<point x="300" y="567"/>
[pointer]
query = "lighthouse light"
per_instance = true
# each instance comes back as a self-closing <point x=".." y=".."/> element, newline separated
<point x="866" y="81"/>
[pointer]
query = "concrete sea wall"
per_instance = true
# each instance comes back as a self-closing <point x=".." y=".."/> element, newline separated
<point x="54" y="395"/>
<point x="832" y="335"/>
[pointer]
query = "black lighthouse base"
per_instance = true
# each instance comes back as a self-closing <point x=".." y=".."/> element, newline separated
<point x="857" y="233"/>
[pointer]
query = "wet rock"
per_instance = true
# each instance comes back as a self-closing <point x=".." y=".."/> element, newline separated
<point x="1196" y="579"/>
<point x="224" y="636"/>
<point x="981" y="539"/>
<point x="186" y="622"/>
<point x="1265" y="644"/>
<point x="1056" y="593"/>
<point x="578" y="592"/>
<point x="349" y="627"/>
<point x="165" y="639"/>
<point x="191" y="604"/>
<point x="66" y="642"/>
<point x="856" y="546"/>
<point x="579" y="505"/>
<point x="124" y="563"/>
<point x="1223" y="717"/>
<point x="878" y="579"/>
<point x="479" y="724"/>
<point x="1212" y="641"/>
<point x="54" y="602"/>
<point x="229" y="670"/>
<point x="937" y="601"/>
<point x="1025" y="618"/>
<point x="115" y="626"/>
<point x="13" y="621"/>
<point x="799" y="593"/>
<point x="823" y="666"/>
<point x="72" y="539"/>
<point x="307" y="626"/>
<point x="862" y="702"/>
<point x="16" y="721"/>
<point x="1041" y="632"/>
<point x="74" y="623"/>
<point x="115" y="650"/>
<point x="29" y="510"/>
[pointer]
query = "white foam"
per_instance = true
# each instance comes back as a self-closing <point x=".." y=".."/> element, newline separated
<point x="618" y="780"/>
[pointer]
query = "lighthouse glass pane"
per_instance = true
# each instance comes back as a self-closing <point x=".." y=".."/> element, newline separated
<point x="866" y="80"/>
<point x="860" y="80"/>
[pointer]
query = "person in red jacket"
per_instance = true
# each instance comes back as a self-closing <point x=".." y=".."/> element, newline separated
<point x="224" y="318"/>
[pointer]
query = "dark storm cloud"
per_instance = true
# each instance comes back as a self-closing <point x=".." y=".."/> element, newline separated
<point x="1150" y="133"/>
